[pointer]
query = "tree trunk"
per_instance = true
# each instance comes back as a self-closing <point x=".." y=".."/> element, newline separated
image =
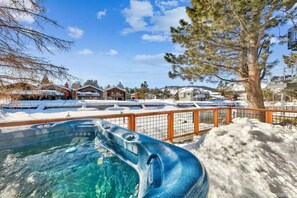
<point x="253" y="85"/>
<point x="254" y="94"/>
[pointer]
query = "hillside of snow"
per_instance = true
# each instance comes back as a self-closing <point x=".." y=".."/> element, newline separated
<point x="249" y="159"/>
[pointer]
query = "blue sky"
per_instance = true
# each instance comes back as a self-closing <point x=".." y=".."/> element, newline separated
<point x="122" y="40"/>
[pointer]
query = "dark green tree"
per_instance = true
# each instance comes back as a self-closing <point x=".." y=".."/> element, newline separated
<point x="76" y="85"/>
<point x="120" y="85"/>
<point x="92" y="82"/>
<point x="229" y="39"/>
<point x="166" y="93"/>
<point x="143" y="90"/>
<point x="291" y="61"/>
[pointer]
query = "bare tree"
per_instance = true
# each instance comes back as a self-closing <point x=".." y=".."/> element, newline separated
<point x="18" y="36"/>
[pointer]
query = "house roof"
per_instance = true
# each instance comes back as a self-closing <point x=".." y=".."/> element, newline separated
<point x="115" y="88"/>
<point x="60" y="86"/>
<point x="89" y="86"/>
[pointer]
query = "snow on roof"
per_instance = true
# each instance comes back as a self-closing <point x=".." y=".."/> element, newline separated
<point x="249" y="158"/>
<point x="88" y="93"/>
<point x="192" y="89"/>
<point x="60" y="86"/>
<point x="89" y="86"/>
<point x="38" y="92"/>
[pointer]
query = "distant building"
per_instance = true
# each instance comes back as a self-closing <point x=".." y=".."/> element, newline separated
<point x="239" y="89"/>
<point x="115" y="93"/>
<point x="89" y="92"/>
<point x="54" y="91"/>
<point x="26" y="91"/>
<point x="135" y="95"/>
<point x="193" y="94"/>
<point x="149" y="96"/>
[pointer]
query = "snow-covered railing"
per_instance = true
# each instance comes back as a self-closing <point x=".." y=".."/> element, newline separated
<point x="167" y="125"/>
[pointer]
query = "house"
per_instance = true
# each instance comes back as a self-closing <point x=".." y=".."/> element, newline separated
<point x="149" y="96"/>
<point x="89" y="92"/>
<point x="20" y="91"/>
<point x="54" y="91"/>
<point x="115" y="93"/>
<point x="193" y="94"/>
<point x="135" y="95"/>
<point x="27" y="91"/>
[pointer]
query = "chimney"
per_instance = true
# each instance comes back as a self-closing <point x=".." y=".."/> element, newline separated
<point x="66" y="85"/>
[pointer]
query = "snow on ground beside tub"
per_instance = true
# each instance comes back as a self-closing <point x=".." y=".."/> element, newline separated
<point x="249" y="159"/>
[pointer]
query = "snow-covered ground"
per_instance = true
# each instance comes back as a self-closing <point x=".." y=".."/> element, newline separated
<point x="249" y="159"/>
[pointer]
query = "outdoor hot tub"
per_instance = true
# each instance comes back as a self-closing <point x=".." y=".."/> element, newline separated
<point x="93" y="157"/>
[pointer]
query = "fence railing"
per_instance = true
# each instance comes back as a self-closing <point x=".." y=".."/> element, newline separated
<point x="167" y="125"/>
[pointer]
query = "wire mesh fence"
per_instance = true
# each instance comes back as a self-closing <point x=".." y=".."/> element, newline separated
<point x="206" y="119"/>
<point x="172" y="124"/>
<point x="183" y="123"/>
<point x="155" y="126"/>
<point x="121" y="121"/>
<point x="287" y="119"/>
<point x="249" y="113"/>
<point x="223" y="117"/>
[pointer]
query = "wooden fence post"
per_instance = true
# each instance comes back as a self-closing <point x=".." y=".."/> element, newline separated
<point x="268" y="117"/>
<point x="229" y="116"/>
<point x="216" y="117"/>
<point x="196" y="122"/>
<point x="170" y="126"/>
<point x="131" y="122"/>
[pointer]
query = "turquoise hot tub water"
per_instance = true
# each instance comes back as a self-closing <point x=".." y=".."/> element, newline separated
<point x="94" y="158"/>
<point x="70" y="167"/>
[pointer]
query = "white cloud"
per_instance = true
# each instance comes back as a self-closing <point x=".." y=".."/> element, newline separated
<point x="101" y="14"/>
<point x="112" y="52"/>
<point x="20" y="16"/>
<point x="136" y="14"/>
<point x="156" y="38"/>
<point x="155" y="23"/>
<point x="75" y="32"/>
<point x="163" y="5"/>
<point x="156" y="59"/>
<point x="86" y="52"/>
<point x="170" y="18"/>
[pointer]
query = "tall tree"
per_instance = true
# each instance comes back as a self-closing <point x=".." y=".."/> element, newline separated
<point x="76" y="85"/>
<point x="291" y="62"/>
<point x="229" y="39"/>
<point x="92" y="82"/>
<point x="143" y="90"/>
<point x="22" y="25"/>
<point x="120" y="85"/>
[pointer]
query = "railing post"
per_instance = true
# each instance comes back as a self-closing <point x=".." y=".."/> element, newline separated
<point x="131" y="122"/>
<point x="216" y="117"/>
<point x="268" y="117"/>
<point x="170" y="126"/>
<point x="229" y="116"/>
<point x="196" y="122"/>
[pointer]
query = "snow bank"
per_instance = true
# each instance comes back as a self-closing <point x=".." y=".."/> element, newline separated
<point x="249" y="159"/>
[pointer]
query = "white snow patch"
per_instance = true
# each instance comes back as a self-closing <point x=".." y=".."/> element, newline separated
<point x="249" y="159"/>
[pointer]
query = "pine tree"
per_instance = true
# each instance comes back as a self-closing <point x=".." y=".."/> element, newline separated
<point x="143" y="90"/>
<point x="76" y="85"/>
<point x="229" y="39"/>
<point x="120" y="85"/>
<point x="92" y="83"/>
<point x="291" y="62"/>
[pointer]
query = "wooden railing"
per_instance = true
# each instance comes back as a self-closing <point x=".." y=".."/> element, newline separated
<point x="167" y="125"/>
